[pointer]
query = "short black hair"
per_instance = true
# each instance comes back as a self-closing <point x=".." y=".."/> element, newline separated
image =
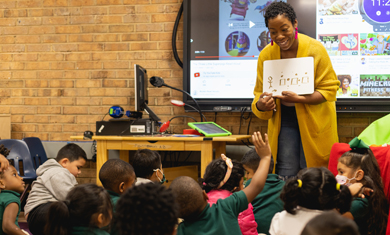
<point x="114" y="172"/>
<point x="145" y="161"/>
<point x="72" y="152"/>
<point x="215" y="173"/>
<point x="189" y="196"/>
<point x="4" y="151"/>
<point x="330" y="222"/>
<point x="317" y="192"/>
<point x="147" y="209"/>
<point x="251" y="160"/>
<point x="279" y="8"/>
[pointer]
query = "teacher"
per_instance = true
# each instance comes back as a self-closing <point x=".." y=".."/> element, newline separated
<point x="301" y="128"/>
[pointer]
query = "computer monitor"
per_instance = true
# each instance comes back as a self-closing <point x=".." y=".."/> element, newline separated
<point x="141" y="92"/>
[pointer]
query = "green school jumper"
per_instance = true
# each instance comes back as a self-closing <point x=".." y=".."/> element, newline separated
<point x="359" y="210"/>
<point x="267" y="203"/>
<point x="114" y="198"/>
<point x="220" y="218"/>
<point x="112" y="227"/>
<point x="88" y="231"/>
<point x="7" y="197"/>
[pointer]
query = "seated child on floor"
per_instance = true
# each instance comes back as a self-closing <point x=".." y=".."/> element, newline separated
<point x="221" y="179"/>
<point x="56" y="177"/>
<point x="330" y="222"/>
<point x="310" y="193"/>
<point x="11" y="185"/>
<point x="85" y="210"/>
<point x="220" y="218"/>
<point x="268" y="202"/>
<point x="370" y="213"/>
<point x="116" y="176"/>
<point x="148" y="167"/>
<point x="147" y="209"/>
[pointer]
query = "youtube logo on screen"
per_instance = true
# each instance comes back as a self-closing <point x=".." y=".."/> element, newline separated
<point x="196" y="75"/>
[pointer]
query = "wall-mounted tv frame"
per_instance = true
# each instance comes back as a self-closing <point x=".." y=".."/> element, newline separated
<point x="215" y="33"/>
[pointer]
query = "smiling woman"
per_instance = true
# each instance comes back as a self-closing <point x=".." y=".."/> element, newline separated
<point x="301" y="128"/>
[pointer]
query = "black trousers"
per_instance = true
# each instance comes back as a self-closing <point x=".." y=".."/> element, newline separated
<point x="37" y="218"/>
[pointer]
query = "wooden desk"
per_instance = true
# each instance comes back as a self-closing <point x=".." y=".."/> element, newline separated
<point x="125" y="143"/>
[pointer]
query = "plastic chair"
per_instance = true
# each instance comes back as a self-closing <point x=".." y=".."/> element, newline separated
<point x="37" y="151"/>
<point x="20" y="157"/>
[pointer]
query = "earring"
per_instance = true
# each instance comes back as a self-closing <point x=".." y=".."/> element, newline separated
<point x="296" y="33"/>
<point x="272" y="42"/>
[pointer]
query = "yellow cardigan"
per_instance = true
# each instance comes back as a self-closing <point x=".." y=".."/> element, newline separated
<point x="317" y="123"/>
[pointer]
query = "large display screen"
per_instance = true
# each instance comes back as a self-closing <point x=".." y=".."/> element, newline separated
<point x="356" y="35"/>
<point x="223" y="39"/>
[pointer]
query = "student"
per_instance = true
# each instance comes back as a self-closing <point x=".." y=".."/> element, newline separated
<point x="216" y="172"/>
<point x="147" y="209"/>
<point x="330" y="222"/>
<point x="11" y="185"/>
<point x="220" y="218"/>
<point x="313" y="191"/>
<point x="147" y="166"/>
<point x="116" y="176"/>
<point x="268" y="202"/>
<point x="370" y="213"/>
<point x="56" y="177"/>
<point x="86" y="208"/>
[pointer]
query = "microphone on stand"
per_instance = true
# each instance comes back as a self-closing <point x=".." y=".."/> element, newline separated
<point x="159" y="82"/>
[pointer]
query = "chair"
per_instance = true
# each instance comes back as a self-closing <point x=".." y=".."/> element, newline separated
<point x="20" y="157"/>
<point x="37" y="151"/>
<point x="239" y="8"/>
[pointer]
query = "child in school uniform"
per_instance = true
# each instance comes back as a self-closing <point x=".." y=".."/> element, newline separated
<point x="11" y="185"/>
<point x="216" y="172"/>
<point x="148" y="167"/>
<point x="56" y="177"/>
<point x="85" y="210"/>
<point x="220" y="218"/>
<point x="147" y="209"/>
<point x="116" y="176"/>
<point x="307" y="195"/>
<point x="370" y="213"/>
<point x="268" y="202"/>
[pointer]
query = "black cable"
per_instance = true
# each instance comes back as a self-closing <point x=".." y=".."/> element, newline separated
<point x="188" y="156"/>
<point x="249" y="123"/>
<point x="196" y="110"/>
<point x="174" y="34"/>
<point x="182" y="116"/>
<point x="105" y="115"/>
<point x="128" y="128"/>
<point x="188" y="94"/>
<point x="215" y="117"/>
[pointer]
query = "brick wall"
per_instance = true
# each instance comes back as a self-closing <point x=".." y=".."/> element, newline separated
<point x="63" y="63"/>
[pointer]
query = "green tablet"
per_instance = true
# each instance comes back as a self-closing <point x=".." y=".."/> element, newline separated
<point x="210" y="129"/>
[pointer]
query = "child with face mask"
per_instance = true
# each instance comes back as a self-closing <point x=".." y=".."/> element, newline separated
<point x="147" y="167"/>
<point x="370" y="213"/>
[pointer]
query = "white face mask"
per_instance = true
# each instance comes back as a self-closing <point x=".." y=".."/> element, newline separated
<point x="341" y="179"/>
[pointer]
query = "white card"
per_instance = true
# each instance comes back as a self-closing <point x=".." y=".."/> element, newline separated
<point x="296" y="75"/>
